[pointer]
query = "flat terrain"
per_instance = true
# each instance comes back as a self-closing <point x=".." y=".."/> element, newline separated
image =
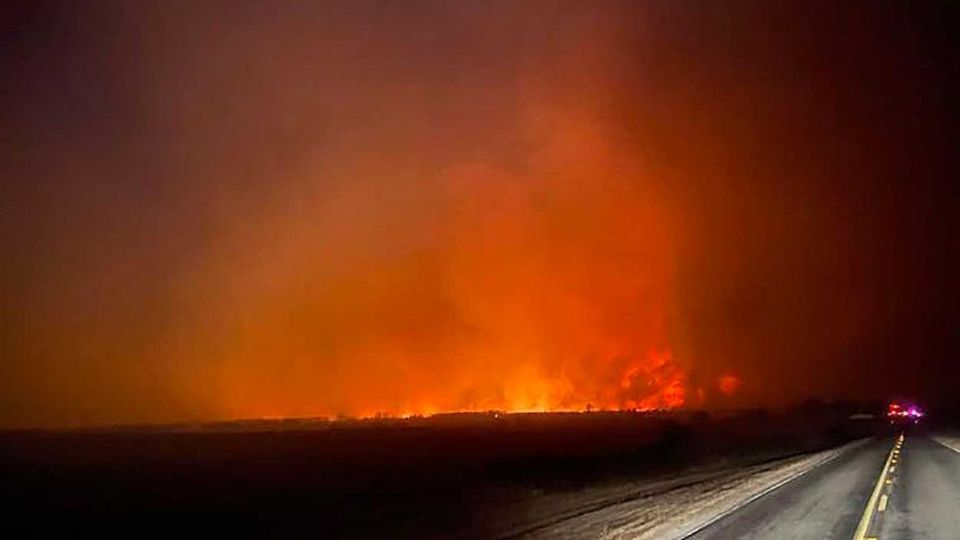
<point x="456" y="476"/>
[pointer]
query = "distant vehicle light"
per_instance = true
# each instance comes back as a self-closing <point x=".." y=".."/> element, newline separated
<point x="904" y="410"/>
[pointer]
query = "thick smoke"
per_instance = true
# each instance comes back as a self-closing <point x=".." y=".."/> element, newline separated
<point x="519" y="258"/>
<point x="256" y="209"/>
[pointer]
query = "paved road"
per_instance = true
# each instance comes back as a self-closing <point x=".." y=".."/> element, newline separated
<point x="925" y="502"/>
<point x="913" y="491"/>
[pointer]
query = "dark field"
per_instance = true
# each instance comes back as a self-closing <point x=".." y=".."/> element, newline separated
<point x="462" y="476"/>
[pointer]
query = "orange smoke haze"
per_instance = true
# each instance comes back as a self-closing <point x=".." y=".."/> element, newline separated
<point x="220" y="210"/>
<point x="535" y="287"/>
<point x="376" y="227"/>
<point x="728" y="384"/>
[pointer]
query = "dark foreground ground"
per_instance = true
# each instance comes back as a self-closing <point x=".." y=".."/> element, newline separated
<point x="457" y="476"/>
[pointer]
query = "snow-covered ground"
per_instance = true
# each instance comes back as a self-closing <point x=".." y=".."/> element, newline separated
<point x="664" y="509"/>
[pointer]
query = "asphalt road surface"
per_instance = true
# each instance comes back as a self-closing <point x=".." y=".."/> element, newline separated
<point x="892" y="488"/>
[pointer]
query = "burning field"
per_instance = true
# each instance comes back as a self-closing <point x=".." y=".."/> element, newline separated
<point x="434" y="269"/>
<point x="349" y="249"/>
<point x="351" y="209"/>
<point x="541" y="288"/>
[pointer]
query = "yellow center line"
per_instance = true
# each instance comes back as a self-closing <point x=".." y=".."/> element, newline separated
<point x="867" y="517"/>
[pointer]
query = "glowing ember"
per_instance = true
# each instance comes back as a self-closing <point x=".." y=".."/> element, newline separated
<point x="728" y="384"/>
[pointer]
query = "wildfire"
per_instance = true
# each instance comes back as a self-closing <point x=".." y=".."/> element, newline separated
<point x="656" y="383"/>
<point x="648" y="383"/>
<point x="538" y="281"/>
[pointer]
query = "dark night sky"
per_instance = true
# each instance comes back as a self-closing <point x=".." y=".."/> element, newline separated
<point x="214" y="210"/>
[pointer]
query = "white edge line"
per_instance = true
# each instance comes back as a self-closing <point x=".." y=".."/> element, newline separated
<point x="710" y="521"/>
<point x="946" y="445"/>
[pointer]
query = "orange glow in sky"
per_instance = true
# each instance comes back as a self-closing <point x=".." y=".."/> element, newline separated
<point x="274" y="209"/>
